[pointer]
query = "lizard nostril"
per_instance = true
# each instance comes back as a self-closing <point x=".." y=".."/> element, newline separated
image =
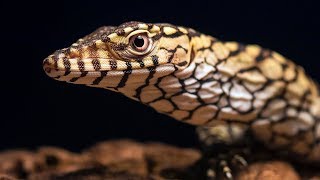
<point x="48" y="65"/>
<point x="45" y="62"/>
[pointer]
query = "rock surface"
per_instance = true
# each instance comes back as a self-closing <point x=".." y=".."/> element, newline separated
<point x="124" y="159"/>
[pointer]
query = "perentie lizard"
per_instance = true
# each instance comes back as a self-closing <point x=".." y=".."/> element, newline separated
<point x="229" y="90"/>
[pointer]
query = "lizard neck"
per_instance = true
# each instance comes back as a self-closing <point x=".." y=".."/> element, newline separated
<point x="186" y="94"/>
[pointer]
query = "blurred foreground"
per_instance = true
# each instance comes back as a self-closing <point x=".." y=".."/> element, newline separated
<point x="124" y="159"/>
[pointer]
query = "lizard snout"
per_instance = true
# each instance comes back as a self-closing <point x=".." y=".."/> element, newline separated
<point x="55" y="66"/>
<point x="50" y="67"/>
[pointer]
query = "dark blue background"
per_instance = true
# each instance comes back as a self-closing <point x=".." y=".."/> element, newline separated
<point x="37" y="110"/>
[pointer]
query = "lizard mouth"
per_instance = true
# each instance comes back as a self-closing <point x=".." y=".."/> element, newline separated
<point x="102" y="72"/>
<point x="58" y="67"/>
<point x="63" y="63"/>
<point x="63" y="66"/>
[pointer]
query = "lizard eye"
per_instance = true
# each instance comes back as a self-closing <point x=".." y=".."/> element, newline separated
<point x="140" y="44"/>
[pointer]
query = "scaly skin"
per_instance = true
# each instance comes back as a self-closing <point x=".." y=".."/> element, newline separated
<point x="227" y="88"/>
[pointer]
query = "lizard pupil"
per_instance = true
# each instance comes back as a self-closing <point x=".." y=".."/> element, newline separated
<point x="139" y="41"/>
<point x="140" y="44"/>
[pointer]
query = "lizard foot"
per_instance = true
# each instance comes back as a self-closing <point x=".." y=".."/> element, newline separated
<point x="223" y="166"/>
<point x="224" y="146"/>
<point x="215" y="166"/>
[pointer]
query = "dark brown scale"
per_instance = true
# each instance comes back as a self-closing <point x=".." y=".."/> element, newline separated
<point x="141" y="63"/>
<point x="155" y="60"/>
<point x="105" y="38"/>
<point x="157" y="37"/>
<point x="99" y="79"/>
<point x="150" y="26"/>
<point x="113" y="64"/>
<point x="83" y="74"/>
<point x="96" y="64"/>
<point x="183" y="63"/>
<point x="81" y="65"/>
<point x="120" y="32"/>
<point x="133" y="24"/>
<point x="192" y="33"/>
<point x="241" y="48"/>
<point x="263" y="55"/>
<point x="174" y="35"/>
<point x="124" y="78"/>
<point x="67" y="66"/>
<point x="119" y="47"/>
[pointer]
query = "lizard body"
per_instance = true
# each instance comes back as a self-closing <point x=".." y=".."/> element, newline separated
<point x="226" y="88"/>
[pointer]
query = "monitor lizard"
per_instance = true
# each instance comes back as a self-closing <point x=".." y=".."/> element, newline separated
<point x="229" y="90"/>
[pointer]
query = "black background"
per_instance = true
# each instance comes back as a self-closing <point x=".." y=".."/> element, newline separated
<point x="37" y="110"/>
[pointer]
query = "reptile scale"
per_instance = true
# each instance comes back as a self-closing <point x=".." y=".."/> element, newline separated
<point x="230" y="91"/>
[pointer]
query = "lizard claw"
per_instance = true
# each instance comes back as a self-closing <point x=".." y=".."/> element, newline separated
<point x="211" y="174"/>
<point x="224" y="167"/>
<point x="239" y="160"/>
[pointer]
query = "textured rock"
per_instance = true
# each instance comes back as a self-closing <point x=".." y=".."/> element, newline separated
<point x="274" y="170"/>
<point x="125" y="159"/>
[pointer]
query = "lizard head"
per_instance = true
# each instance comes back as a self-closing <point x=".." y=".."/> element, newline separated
<point x="109" y="56"/>
<point x="155" y="64"/>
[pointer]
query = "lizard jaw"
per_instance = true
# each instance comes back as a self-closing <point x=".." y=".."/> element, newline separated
<point x="102" y="72"/>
